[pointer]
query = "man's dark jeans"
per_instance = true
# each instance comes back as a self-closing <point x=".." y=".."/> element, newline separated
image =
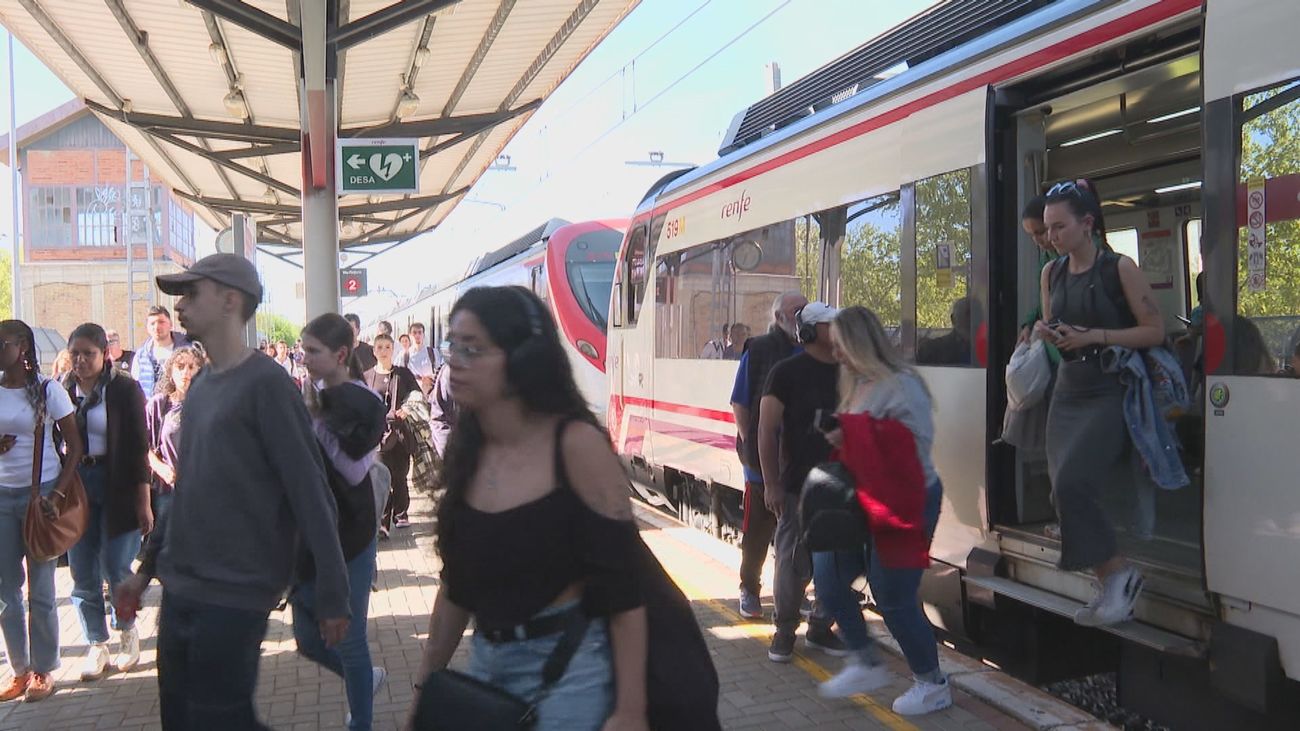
<point x="207" y="665"/>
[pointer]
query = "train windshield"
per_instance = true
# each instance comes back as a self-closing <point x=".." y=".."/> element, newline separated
<point x="589" y="265"/>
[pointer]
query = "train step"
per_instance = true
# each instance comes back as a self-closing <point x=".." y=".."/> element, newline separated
<point x="1142" y="634"/>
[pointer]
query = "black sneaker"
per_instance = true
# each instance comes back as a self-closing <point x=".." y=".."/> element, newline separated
<point x="782" y="647"/>
<point x="824" y="639"/>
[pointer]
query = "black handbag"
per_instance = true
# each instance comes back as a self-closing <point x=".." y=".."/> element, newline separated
<point x="830" y="516"/>
<point x="453" y="701"/>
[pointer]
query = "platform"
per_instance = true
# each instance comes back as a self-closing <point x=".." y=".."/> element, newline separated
<point x="296" y="695"/>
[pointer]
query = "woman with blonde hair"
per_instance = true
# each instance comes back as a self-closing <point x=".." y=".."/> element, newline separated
<point x="62" y="365"/>
<point x="878" y="387"/>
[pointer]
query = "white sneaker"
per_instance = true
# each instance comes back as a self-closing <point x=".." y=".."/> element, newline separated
<point x="855" y="678"/>
<point x="923" y="698"/>
<point x="128" y="651"/>
<point x="1114" y="602"/>
<point x="96" y="661"/>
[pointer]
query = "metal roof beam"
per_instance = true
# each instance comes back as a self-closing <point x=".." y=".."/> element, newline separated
<point x="255" y="20"/>
<point x="242" y="206"/>
<point x="383" y="20"/>
<point x="198" y="127"/>
<point x="228" y="164"/>
<point x="274" y="148"/>
<point x="140" y="39"/>
<point x="480" y="53"/>
<point x="437" y="127"/>
<point x="400" y="204"/>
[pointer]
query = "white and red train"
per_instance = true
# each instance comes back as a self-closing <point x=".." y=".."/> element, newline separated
<point x="569" y="265"/>
<point x="861" y="184"/>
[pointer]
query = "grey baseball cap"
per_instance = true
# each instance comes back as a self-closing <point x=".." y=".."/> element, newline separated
<point x="231" y="270"/>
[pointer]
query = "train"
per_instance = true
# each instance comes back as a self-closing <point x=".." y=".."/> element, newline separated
<point x="893" y="178"/>
<point x="569" y="265"/>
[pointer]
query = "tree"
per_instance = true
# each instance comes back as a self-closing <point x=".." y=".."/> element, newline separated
<point x="275" y="327"/>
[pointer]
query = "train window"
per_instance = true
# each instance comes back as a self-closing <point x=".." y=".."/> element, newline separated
<point x="871" y="262"/>
<point x="1265" y="332"/>
<point x="728" y="282"/>
<point x="947" y="316"/>
<point x="808" y="255"/>
<point x="632" y="278"/>
<point x="1125" y="241"/>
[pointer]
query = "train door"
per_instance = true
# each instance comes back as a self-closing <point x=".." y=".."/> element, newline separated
<point x="631" y="347"/>
<point x="1129" y="119"/>
<point x="1251" y="248"/>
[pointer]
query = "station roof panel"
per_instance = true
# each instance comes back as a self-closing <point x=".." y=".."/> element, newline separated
<point x="209" y="99"/>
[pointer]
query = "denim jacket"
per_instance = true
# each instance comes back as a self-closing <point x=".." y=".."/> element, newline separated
<point x="146" y="370"/>
<point x="1155" y="392"/>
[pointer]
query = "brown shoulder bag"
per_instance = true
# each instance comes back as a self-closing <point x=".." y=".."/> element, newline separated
<point x="54" y="523"/>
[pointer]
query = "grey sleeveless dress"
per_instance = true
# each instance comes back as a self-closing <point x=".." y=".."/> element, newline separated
<point x="1088" y="445"/>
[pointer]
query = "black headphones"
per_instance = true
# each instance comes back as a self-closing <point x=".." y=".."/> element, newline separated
<point x="805" y="333"/>
<point x="523" y="358"/>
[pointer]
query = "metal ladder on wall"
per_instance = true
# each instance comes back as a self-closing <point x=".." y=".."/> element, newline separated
<point x="138" y="219"/>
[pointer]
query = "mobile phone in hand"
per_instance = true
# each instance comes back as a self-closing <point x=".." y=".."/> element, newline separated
<point x="826" y="421"/>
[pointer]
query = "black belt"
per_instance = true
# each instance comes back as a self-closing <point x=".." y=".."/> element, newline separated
<point x="94" y="460"/>
<point x="532" y="629"/>
<point x="1092" y="352"/>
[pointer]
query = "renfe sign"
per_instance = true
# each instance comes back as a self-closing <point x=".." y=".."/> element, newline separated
<point x="378" y="165"/>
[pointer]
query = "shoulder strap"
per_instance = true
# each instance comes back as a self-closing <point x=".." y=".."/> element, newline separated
<point x="561" y="474"/>
<point x="1113" y="286"/>
<point x="38" y="450"/>
<point x="558" y="661"/>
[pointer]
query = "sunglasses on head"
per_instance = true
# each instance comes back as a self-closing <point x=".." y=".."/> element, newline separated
<point x="1069" y="187"/>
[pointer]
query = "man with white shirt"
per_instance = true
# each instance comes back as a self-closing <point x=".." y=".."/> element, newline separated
<point x="422" y="360"/>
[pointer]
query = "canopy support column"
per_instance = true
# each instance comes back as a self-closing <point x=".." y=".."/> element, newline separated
<point x="320" y="203"/>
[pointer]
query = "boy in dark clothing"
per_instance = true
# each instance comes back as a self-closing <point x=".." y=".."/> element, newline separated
<point x="251" y="484"/>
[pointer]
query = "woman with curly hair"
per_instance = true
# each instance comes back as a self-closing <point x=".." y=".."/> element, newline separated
<point x="163" y="418"/>
<point x="29" y="402"/>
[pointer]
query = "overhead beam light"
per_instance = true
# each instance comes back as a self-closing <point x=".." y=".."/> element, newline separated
<point x="1090" y="138"/>
<point x="236" y="104"/>
<point x="1181" y="186"/>
<point x="407" y="105"/>
<point x="1175" y="115"/>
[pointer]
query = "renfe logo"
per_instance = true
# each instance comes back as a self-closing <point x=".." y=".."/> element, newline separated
<point x="737" y="207"/>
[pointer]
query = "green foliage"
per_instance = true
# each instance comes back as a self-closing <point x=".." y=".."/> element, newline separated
<point x="943" y="216"/>
<point x="275" y="327"/>
<point x="808" y="259"/>
<point x="871" y="266"/>
<point x="6" y="286"/>
<point x="1270" y="148"/>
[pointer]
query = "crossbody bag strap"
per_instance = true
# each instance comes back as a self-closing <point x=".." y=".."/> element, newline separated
<point x="38" y="453"/>
<point x="558" y="661"/>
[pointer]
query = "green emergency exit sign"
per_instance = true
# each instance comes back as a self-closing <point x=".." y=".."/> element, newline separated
<point x="377" y="165"/>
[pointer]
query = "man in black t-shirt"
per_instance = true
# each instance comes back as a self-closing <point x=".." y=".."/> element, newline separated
<point x="789" y="446"/>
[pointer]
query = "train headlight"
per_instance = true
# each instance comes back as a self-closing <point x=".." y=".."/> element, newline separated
<point x="588" y="350"/>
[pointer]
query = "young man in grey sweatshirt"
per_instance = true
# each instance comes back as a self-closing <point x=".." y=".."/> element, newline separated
<point x="249" y="482"/>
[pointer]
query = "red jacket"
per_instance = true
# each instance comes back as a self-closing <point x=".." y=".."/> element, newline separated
<point x="881" y="454"/>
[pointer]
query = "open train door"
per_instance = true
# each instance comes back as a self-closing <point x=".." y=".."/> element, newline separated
<point x="1251" y="251"/>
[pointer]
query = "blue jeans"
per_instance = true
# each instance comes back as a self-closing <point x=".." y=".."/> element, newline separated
<point x="97" y="557"/>
<point x="584" y="696"/>
<point x="894" y="590"/>
<point x="207" y="665"/>
<point x="38" y="623"/>
<point x="350" y="658"/>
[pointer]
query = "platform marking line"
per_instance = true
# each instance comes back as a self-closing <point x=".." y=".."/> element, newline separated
<point x="758" y="632"/>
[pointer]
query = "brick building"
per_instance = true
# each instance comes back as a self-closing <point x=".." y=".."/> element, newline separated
<point x="84" y="196"/>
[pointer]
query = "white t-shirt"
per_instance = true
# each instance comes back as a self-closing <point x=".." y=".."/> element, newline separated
<point x="18" y="419"/>
<point x="96" y="428"/>
<point x="418" y="360"/>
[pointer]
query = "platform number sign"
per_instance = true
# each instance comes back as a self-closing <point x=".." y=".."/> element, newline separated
<point x="378" y="165"/>
<point x="352" y="282"/>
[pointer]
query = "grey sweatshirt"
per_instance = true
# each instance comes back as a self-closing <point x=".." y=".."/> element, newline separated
<point x="249" y="482"/>
<point x="902" y="396"/>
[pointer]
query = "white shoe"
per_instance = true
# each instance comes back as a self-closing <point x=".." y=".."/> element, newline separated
<point x="923" y="698"/>
<point x="855" y="678"/>
<point x="96" y="661"/>
<point x="380" y="676"/>
<point x="1114" y="601"/>
<point x="128" y="650"/>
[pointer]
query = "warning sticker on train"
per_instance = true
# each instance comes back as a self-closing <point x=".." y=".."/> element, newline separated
<point x="1219" y="395"/>
<point x="378" y="165"/>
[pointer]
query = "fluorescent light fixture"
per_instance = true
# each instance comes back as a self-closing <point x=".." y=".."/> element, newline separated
<point x="1180" y="186"/>
<point x="1090" y="138"/>
<point x="1175" y="115"/>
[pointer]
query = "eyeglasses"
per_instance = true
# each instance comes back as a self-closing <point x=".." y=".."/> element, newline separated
<point x="463" y="353"/>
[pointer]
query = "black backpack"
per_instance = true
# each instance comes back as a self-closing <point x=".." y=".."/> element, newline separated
<point x="830" y="516"/>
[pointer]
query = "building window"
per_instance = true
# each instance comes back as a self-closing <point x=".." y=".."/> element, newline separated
<point x="97" y="211"/>
<point x="49" y="218"/>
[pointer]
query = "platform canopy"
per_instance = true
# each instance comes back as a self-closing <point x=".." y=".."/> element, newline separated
<point x="209" y="92"/>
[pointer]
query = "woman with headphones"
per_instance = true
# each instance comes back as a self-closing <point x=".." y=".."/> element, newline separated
<point x="535" y="530"/>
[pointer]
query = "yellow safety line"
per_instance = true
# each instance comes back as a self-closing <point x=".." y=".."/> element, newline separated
<point x="759" y="632"/>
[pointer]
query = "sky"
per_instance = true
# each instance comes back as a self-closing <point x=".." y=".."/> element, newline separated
<point x="669" y="78"/>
